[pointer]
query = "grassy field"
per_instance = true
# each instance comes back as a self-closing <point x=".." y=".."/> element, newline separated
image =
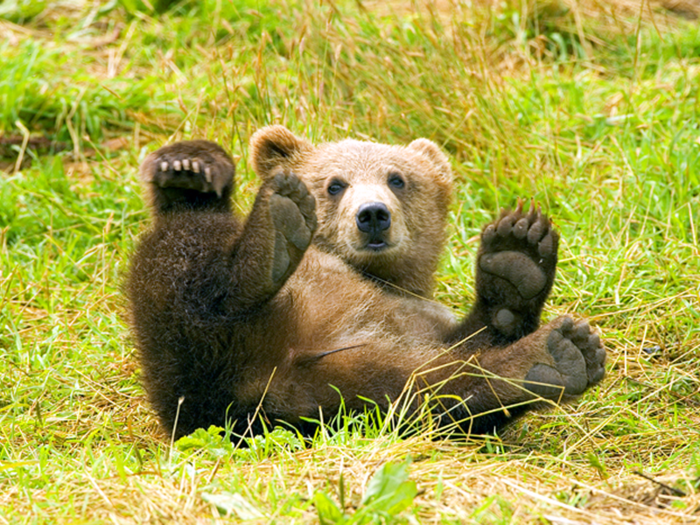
<point x="591" y="108"/>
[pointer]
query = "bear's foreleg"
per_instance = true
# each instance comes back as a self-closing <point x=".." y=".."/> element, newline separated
<point x="199" y="272"/>
<point x="275" y="237"/>
<point x="515" y="271"/>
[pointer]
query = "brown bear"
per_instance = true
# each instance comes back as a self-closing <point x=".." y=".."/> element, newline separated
<point x="321" y="297"/>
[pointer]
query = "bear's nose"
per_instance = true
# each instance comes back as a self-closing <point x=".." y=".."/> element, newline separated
<point x="373" y="217"/>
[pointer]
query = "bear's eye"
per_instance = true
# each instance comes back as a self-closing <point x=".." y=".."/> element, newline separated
<point x="396" y="181"/>
<point x="335" y="187"/>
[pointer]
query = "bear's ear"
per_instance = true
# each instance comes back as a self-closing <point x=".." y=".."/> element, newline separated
<point x="434" y="154"/>
<point x="273" y="147"/>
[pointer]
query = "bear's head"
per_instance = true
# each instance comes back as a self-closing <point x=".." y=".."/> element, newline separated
<point x="380" y="208"/>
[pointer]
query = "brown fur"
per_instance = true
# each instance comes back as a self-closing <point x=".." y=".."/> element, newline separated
<point x="233" y="315"/>
<point x="418" y="235"/>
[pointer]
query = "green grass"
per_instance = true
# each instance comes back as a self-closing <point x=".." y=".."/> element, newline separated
<point x="596" y="117"/>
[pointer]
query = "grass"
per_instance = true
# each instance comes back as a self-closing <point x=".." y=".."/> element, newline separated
<point x="591" y="109"/>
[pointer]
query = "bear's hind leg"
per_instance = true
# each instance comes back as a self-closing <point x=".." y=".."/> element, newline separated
<point x="557" y="362"/>
<point x="189" y="175"/>
<point x="577" y="361"/>
<point x="479" y="390"/>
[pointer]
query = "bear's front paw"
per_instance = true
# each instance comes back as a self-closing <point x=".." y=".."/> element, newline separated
<point x="515" y="269"/>
<point x="198" y="165"/>
<point x="576" y="361"/>
<point x="293" y="212"/>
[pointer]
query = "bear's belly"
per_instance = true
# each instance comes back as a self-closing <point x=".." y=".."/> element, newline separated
<point x="423" y="318"/>
<point x="327" y="305"/>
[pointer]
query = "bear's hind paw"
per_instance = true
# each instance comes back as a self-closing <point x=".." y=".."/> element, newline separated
<point x="577" y="361"/>
<point x="198" y="165"/>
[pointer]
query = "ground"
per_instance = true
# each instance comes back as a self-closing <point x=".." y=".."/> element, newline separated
<point x="593" y="115"/>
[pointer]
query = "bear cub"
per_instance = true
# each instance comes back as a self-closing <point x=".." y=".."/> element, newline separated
<point x="325" y="289"/>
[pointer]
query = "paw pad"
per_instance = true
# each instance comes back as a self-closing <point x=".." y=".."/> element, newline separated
<point x="516" y="268"/>
<point x="293" y="213"/>
<point x="520" y="249"/>
<point x="577" y="361"/>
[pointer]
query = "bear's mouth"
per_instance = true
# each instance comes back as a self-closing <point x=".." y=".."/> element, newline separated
<point x="376" y="245"/>
<point x="372" y="246"/>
